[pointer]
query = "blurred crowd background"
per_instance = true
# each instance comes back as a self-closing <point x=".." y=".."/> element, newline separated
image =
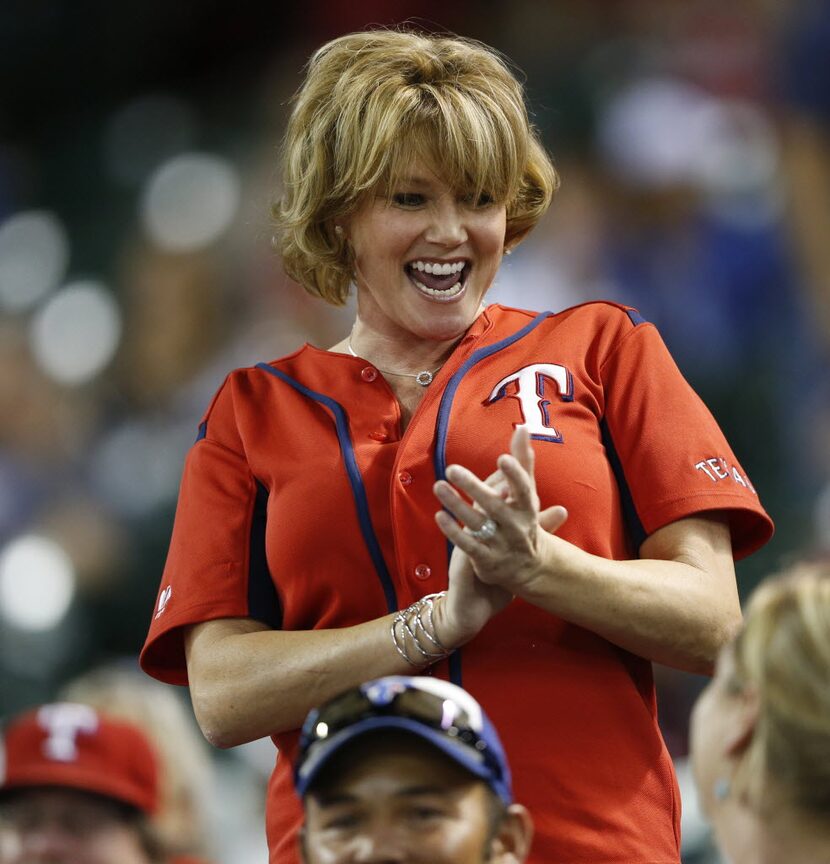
<point x="138" y="163"/>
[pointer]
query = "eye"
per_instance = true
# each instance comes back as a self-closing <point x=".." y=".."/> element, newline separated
<point x="483" y="200"/>
<point x="425" y="813"/>
<point x="341" y="822"/>
<point x="407" y="199"/>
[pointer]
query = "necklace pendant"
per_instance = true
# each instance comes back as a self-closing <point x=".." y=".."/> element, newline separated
<point x="424" y="378"/>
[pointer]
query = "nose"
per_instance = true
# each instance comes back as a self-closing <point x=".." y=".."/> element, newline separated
<point x="380" y="844"/>
<point x="48" y="843"/>
<point x="447" y="225"/>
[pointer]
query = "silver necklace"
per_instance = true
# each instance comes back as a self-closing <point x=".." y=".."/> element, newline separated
<point x="424" y="377"/>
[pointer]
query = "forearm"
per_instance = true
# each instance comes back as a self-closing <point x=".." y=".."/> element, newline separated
<point x="247" y="682"/>
<point x="677" y="604"/>
<point x="670" y="612"/>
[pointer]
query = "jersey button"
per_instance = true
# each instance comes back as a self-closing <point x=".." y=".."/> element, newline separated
<point x="405" y="478"/>
<point x="369" y="373"/>
<point x="423" y="571"/>
<point x="379" y="436"/>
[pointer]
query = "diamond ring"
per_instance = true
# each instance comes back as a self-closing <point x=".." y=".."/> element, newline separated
<point x="486" y="531"/>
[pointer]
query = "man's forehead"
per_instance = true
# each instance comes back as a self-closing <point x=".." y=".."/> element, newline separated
<point x="349" y="793"/>
<point x="390" y="763"/>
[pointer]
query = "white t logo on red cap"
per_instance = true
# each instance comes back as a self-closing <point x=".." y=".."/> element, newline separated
<point x="63" y="722"/>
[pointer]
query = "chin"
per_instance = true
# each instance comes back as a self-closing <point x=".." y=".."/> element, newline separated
<point x="449" y="321"/>
<point x="447" y="331"/>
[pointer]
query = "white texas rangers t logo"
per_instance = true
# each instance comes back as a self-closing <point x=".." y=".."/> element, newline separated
<point x="63" y="722"/>
<point x="532" y="385"/>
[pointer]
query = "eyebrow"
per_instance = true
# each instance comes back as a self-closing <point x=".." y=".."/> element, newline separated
<point x="413" y="180"/>
<point x="335" y="798"/>
<point x="413" y="791"/>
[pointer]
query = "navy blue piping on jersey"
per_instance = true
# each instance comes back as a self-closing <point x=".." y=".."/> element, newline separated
<point x="442" y="426"/>
<point x="202" y="430"/>
<point x="444" y="409"/>
<point x="635" y="317"/>
<point x="355" y="479"/>
<point x="634" y="527"/>
<point x="263" y="601"/>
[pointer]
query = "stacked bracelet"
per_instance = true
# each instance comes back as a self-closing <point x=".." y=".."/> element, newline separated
<point x="410" y="622"/>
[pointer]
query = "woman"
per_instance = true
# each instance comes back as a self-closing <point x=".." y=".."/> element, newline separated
<point x="308" y="555"/>
<point x="761" y="730"/>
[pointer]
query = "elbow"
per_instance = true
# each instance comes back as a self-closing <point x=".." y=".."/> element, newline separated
<point x="218" y="725"/>
<point x="223" y="739"/>
<point x="718" y="633"/>
<point x="726" y="630"/>
<point x="217" y="733"/>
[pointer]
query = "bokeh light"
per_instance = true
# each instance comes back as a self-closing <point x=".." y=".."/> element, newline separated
<point x="75" y="335"/>
<point x="136" y="468"/>
<point x="190" y="201"/>
<point x="37" y="583"/>
<point x="34" y="252"/>
<point x="145" y="133"/>
<point x="650" y="132"/>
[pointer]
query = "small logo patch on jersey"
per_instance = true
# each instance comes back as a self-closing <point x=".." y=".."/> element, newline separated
<point x="716" y="468"/>
<point x="534" y="387"/>
<point x="164" y="599"/>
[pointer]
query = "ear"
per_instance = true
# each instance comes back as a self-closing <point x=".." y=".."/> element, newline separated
<point x="511" y="844"/>
<point x="742" y="726"/>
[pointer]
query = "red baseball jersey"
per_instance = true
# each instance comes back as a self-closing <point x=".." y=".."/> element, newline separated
<point x="303" y="505"/>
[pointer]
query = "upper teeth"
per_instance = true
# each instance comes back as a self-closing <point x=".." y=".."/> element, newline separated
<point x="438" y="269"/>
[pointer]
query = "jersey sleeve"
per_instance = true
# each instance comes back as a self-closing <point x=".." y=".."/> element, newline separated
<point x="670" y="456"/>
<point x="215" y="563"/>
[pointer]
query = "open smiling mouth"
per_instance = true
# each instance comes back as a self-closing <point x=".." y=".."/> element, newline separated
<point x="441" y="281"/>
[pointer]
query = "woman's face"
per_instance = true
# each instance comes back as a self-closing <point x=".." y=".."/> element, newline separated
<point x="400" y="240"/>
<point x="715" y="722"/>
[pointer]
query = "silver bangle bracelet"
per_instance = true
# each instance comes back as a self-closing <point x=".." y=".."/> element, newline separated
<point x="413" y="613"/>
<point x="398" y="646"/>
<point x="433" y="636"/>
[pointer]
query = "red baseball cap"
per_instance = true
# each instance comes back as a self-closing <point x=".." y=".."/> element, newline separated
<point x="73" y="746"/>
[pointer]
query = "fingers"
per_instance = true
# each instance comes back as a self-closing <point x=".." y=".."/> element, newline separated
<point x="463" y="512"/>
<point x="498" y="482"/>
<point x="522" y="449"/>
<point x="553" y="518"/>
<point x="509" y="491"/>
<point x="456" y="534"/>
<point x="484" y="497"/>
<point x="521" y="484"/>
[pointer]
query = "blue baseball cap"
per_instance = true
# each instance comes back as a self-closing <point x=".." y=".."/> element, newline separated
<point x="431" y="709"/>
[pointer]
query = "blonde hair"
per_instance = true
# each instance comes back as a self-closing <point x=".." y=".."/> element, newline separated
<point x="374" y="101"/>
<point x="783" y="653"/>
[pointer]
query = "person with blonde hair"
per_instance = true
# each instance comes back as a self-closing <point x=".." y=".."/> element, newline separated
<point x="399" y="502"/>
<point x="761" y="730"/>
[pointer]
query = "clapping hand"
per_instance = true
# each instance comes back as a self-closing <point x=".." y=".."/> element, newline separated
<point x="498" y="533"/>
